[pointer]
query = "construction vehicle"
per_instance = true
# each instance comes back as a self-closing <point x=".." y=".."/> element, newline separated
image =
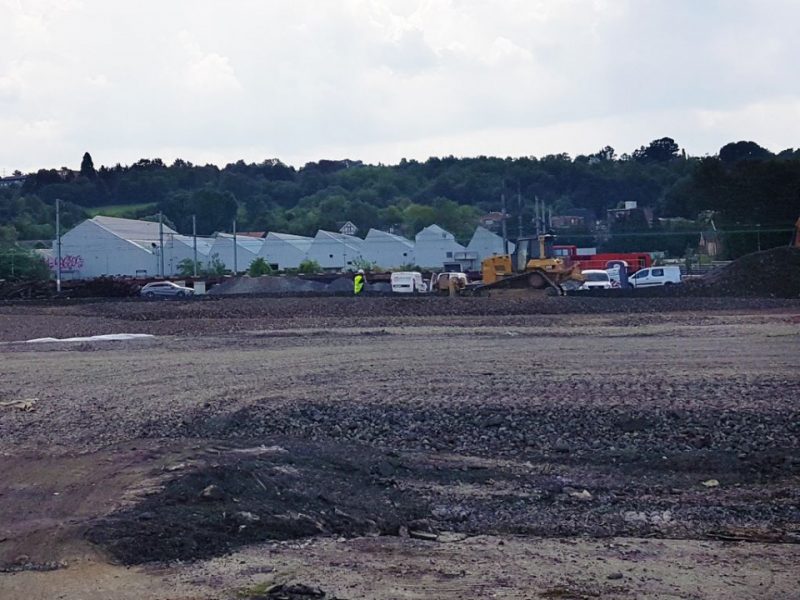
<point x="531" y="267"/>
<point x="441" y="283"/>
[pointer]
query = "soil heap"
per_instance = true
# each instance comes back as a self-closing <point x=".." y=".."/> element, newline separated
<point x="771" y="273"/>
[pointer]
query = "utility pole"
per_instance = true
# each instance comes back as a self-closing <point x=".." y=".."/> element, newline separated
<point x="536" y="214"/>
<point x="519" y="211"/>
<point x="505" y="229"/>
<point x="235" y="255"/>
<point x="194" y="245"/>
<point x="758" y="235"/>
<point x="161" y="241"/>
<point x="58" y="246"/>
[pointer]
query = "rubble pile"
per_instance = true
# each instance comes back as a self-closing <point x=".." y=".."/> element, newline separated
<point x="771" y="273"/>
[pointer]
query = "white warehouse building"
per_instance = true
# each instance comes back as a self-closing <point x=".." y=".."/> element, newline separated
<point x="285" y="250"/>
<point x="247" y="249"/>
<point x="387" y="250"/>
<point x="435" y="246"/>
<point x="335" y="250"/>
<point x="110" y="246"/>
<point x="485" y="244"/>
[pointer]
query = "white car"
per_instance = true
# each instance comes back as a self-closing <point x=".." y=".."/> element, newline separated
<point x="596" y="279"/>
<point x="165" y="288"/>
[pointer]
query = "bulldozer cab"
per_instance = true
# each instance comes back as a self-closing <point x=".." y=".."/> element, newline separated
<point x="539" y="247"/>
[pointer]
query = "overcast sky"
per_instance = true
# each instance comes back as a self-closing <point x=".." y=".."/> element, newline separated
<point x="379" y="80"/>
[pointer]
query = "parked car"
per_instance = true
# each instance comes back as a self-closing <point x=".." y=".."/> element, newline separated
<point x="165" y="288"/>
<point x="655" y="276"/>
<point x="596" y="279"/>
<point x="408" y="282"/>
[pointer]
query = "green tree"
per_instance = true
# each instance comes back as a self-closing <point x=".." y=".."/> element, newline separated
<point x="87" y="167"/>
<point x="19" y="264"/>
<point x="660" y="150"/>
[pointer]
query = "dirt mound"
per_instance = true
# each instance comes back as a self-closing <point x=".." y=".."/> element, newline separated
<point x="771" y="273"/>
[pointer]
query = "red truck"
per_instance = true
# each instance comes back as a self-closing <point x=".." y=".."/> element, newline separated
<point x="633" y="260"/>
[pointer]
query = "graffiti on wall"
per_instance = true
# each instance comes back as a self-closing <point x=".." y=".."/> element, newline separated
<point x="68" y="263"/>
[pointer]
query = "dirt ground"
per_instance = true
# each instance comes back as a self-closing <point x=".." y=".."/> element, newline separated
<point x="401" y="448"/>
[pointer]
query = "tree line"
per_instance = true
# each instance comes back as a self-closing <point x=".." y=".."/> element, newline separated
<point x="740" y="188"/>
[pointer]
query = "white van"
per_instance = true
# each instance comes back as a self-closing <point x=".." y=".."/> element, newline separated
<point x="408" y="282"/>
<point x="655" y="276"/>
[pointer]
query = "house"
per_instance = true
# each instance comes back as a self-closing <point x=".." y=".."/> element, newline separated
<point x="12" y="180"/>
<point x="387" y="250"/>
<point x="347" y="227"/>
<point x="492" y="221"/>
<point x="335" y="251"/>
<point x="253" y="234"/>
<point x="435" y="246"/>
<point x="576" y="218"/>
<point x="629" y="208"/>
<point x="284" y="250"/>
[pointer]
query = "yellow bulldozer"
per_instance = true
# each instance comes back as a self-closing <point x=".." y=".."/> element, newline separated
<point x="531" y="267"/>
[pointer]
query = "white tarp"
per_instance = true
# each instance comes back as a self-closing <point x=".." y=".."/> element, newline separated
<point x="109" y="337"/>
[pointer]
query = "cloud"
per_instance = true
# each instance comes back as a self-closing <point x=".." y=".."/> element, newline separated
<point x="380" y="79"/>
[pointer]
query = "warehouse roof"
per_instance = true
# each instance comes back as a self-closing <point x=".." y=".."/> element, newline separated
<point x="131" y="229"/>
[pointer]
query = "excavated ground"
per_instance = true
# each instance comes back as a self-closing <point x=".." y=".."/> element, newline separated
<point x="247" y="421"/>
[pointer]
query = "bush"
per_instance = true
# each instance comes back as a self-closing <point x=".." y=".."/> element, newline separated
<point x="259" y="267"/>
<point x="309" y="267"/>
<point x="186" y="268"/>
<point x="216" y="267"/>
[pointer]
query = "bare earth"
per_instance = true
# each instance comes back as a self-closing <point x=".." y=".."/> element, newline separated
<point x="402" y="448"/>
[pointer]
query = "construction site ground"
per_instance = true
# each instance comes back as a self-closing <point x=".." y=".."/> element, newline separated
<point x="408" y="448"/>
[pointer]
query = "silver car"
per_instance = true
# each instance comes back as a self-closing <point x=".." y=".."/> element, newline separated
<point x="165" y="288"/>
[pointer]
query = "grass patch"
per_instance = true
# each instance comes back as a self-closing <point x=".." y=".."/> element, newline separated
<point x="123" y="211"/>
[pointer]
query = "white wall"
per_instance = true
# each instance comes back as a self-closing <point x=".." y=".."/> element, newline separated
<point x="287" y="251"/>
<point x="246" y="251"/>
<point x="331" y="250"/>
<point x="387" y="250"/>
<point x="433" y="244"/>
<point x="179" y="247"/>
<point x="485" y="244"/>
<point x="96" y="252"/>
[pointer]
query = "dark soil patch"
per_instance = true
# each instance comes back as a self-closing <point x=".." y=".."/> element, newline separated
<point x="269" y="494"/>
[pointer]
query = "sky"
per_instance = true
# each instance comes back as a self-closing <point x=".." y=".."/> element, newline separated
<point x="216" y="81"/>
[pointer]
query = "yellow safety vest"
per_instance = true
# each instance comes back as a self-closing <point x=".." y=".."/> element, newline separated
<point x="358" y="284"/>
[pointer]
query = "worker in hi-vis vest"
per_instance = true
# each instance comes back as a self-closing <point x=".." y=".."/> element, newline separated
<point x="358" y="282"/>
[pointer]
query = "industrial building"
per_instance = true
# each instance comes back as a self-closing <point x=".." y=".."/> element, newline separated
<point x="387" y="250"/>
<point x="110" y="246"/>
<point x="434" y="246"/>
<point x="284" y="250"/>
